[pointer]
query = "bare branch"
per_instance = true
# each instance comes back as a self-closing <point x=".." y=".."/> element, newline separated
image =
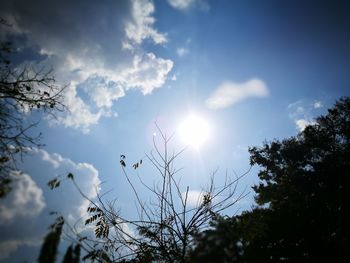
<point x="23" y="90"/>
<point x="166" y="225"/>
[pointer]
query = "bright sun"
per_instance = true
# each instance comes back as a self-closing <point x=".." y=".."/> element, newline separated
<point x="194" y="130"/>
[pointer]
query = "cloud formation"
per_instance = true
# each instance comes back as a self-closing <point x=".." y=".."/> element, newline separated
<point x="186" y="4"/>
<point x="25" y="211"/>
<point x="302" y="123"/>
<point x="94" y="40"/>
<point x="302" y="113"/>
<point x="140" y="27"/>
<point x="25" y="201"/>
<point x="146" y="74"/>
<point x="229" y="93"/>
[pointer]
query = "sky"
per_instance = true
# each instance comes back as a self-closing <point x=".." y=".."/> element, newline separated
<point x="252" y="71"/>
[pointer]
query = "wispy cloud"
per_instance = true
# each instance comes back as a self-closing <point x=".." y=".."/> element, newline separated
<point x="318" y="104"/>
<point x="302" y="113"/>
<point x="229" y="93"/>
<point x="186" y="4"/>
<point x="182" y="51"/>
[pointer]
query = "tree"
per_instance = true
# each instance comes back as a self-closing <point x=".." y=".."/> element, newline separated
<point x="23" y="89"/>
<point x="166" y="224"/>
<point x="49" y="248"/>
<point x="219" y="243"/>
<point x="302" y="213"/>
<point x="72" y="255"/>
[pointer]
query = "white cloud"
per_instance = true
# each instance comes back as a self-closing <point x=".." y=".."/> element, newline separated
<point x="25" y="200"/>
<point x="86" y="177"/>
<point x="106" y="43"/>
<point x="147" y="73"/>
<point x="186" y="4"/>
<point x="194" y="197"/>
<point x="318" y="104"/>
<point x="141" y="26"/>
<point x="104" y="97"/>
<point x="182" y="51"/>
<point x="80" y="115"/>
<point x="302" y="123"/>
<point x="302" y="113"/>
<point x="103" y="91"/>
<point x="24" y="216"/>
<point x="229" y="93"/>
<point x="181" y="4"/>
<point x="55" y="159"/>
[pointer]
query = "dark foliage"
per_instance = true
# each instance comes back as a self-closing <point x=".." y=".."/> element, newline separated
<point x="303" y="215"/>
<point x="48" y="250"/>
<point x="219" y="244"/>
<point x="72" y="254"/>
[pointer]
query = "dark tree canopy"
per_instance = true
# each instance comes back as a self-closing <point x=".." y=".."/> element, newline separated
<point x="302" y="213"/>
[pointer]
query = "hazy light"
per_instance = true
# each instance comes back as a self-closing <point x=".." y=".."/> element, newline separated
<point x="194" y="130"/>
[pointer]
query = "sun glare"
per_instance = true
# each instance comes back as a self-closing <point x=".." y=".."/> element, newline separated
<point x="194" y="131"/>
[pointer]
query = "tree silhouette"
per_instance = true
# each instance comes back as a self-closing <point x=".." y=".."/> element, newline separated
<point x="23" y="89"/>
<point x="49" y="248"/>
<point x="302" y="213"/>
<point x="217" y="244"/>
<point x="72" y="255"/>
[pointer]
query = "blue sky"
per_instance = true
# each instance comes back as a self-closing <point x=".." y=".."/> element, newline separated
<point x="254" y="70"/>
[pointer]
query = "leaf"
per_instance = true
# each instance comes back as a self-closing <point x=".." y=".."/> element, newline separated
<point x="88" y="221"/>
<point x="136" y="165"/>
<point x="54" y="183"/>
<point x="122" y="163"/>
<point x="70" y="176"/>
